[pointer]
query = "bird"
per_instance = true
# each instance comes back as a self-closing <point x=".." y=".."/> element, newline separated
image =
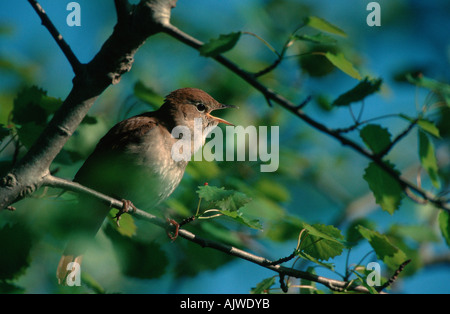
<point x="134" y="162"/>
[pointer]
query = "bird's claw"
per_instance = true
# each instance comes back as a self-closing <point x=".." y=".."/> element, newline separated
<point x="125" y="209"/>
<point x="173" y="235"/>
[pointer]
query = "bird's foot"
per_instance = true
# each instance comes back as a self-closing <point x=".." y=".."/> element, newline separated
<point x="173" y="234"/>
<point x="125" y="209"/>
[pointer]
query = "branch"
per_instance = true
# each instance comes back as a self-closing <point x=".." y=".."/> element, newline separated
<point x="47" y="23"/>
<point x="113" y="60"/>
<point x="394" y="276"/>
<point x="123" y="9"/>
<point x="332" y="284"/>
<point x="285" y="103"/>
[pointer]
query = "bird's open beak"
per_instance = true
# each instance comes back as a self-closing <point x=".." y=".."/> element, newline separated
<point x="219" y="120"/>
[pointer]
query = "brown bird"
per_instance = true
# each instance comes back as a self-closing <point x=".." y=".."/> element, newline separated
<point x="134" y="162"/>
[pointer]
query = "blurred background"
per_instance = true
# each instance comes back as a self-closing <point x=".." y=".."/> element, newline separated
<point x="318" y="180"/>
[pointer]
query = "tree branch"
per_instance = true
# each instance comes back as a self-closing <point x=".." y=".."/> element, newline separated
<point x="332" y="284"/>
<point x="113" y="60"/>
<point x="47" y="23"/>
<point x="285" y="103"/>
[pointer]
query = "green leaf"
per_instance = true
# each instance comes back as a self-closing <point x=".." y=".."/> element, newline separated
<point x="353" y="235"/>
<point x="319" y="38"/>
<point x="391" y="255"/>
<point x="387" y="191"/>
<point x="339" y="61"/>
<point x="220" y="45"/>
<point x="127" y="225"/>
<point x="323" y="242"/>
<point x="229" y="203"/>
<point x="263" y="286"/>
<point x="439" y="88"/>
<point x="227" y="200"/>
<point x="15" y="247"/>
<point x="375" y="137"/>
<point x="33" y="100"/>
<point x="428" y="127"/>
<point x="428" y="158"/>
<point x="444" y="225"/>
<point x="89" y="120"/>
<point x="26" y="102"/>
<point x="241" y="218"/>
<point x="29" y="133"/>
<point x="93" y="284"/>
<point x="359" y="92"/>
<point x="325" y="26"/>
<point x="363" y="281"/>
<point x="311" y="258"/>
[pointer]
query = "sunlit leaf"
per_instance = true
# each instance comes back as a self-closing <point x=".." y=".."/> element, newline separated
<point x="323" y="25"/>
<point x="126" y="222"/>
<point x="229" y="200"/>
<point x="391" y="255"/>
<point x="322" y="242"/>
<point x="240" y="217"/>
<point x="428" y="158"/>
<point x="220" y="45"/>
<point x="428" y="127"/>
<point x="339" y="61"/>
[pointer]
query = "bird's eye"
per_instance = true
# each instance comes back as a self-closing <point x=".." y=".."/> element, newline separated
<point x="200" y="107"/>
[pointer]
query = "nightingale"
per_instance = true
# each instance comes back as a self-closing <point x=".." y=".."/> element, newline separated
<point x="134" y="162"/>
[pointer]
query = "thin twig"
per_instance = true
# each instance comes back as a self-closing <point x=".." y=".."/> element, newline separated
<point x="398" y="138"/>
<point x="394" y="276"/>
<point x="73" y="60"/>
<point x="333" y="284"/>
<point x="285" y="103"/>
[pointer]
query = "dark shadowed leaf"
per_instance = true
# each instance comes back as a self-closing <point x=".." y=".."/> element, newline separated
<point x="15" y="246"/>
<point x="444" y="225"/>
<point x="387" y="191"/>
<point x="364" y="88"/>
<point x="376" y="137"/>
<point x="220" y="45"/>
